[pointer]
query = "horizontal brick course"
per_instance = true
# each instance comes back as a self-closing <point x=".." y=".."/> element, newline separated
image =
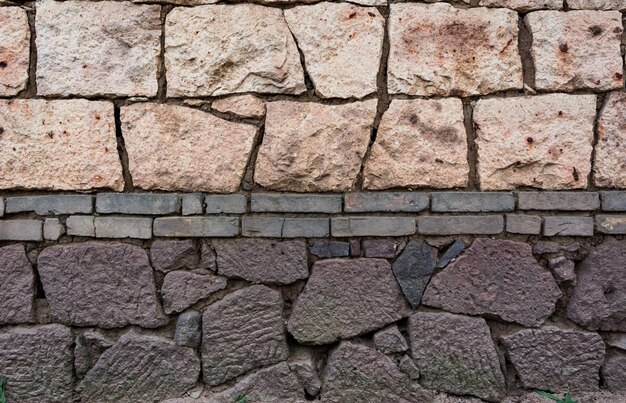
<point x="565" y="201"/>
<point x="457" y="225"/>
<point x="192" y="203"/>
<point x="123" y="227"/>
<point x="54" y="204"/>
<point x="139" y="203"/>
<point x="21" y="230"/>
<point x="472" y="202"/>
<point x="568" y="226"/>
<point x="613" y="201"/>
<point x="81" y="225"/>
<point x="285" y="227"/>
<point x="523" y="224"/>
<point x="611" y="224"/>
<point x="196" y="226"/>
<point x="372" y="226"/>
<point x="295" y="203"/>
<point x="365" y="202"/>
<point x="229" y="204"/>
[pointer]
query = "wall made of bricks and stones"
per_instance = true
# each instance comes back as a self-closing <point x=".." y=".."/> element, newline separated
<point x="281" y="201"/>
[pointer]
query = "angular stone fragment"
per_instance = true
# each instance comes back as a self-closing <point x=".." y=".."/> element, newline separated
<point x="173" y="147"/>
<point x="356" y="373"/>
<point x="598" y="299"/>
<point x="246" y="105"/>
<point x="524" y="5"/>
<point x="455" y="354"/>
<point x="548" y="141"/>
<point x="86" y="49"/>
<point x="407" y="365"/>
<point x="609" y="165"/>
<point x="384" y="248"/>
<point x="389" y="340"/>
<point x="52" y="229"/>
<point x="311" y="147"/>
<point x="451" y="253"/>
<point x="168" y="255"/>
<point x="562" y="268"/>
<point x="100" y="284"/>
<point x="89" y="347"/>
<point x="208" y="258"/>
<point x="420" y="143"/>
<point x="141" y="368"/>
<point x="614" y="371"/>
<point x="499" y="278"/>
<point x="17" y="287"/>
<point x="413" y="270"/>
<point x="433" y="50"/>
<point x="345" y="298"/>
<point x="616" y="340"/>
<point x="58" y="145"/>
<point x="243" y="331"/>
<point x="36" y="363"/>
<point x="609" y="224"/>
<point x="596" y="4"/>
<point x="181" y="289"/>
<point x="556" y="359"/>
<point x="188" y="329"/>
<point x="223" y="49"/>
<point x="15" y="51"/>
<point x="302" y="364"/>
<point x="342" y="46"/>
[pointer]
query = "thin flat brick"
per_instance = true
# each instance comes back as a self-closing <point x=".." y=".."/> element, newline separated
<point x="567" y="226"/>
<point x="52" y="229"/>
<point x="567" y="201"/>
<point x="123" y="227"/>
<point x="196" y="226"/>
<point x="456" y="225"/>
<point x="21" y="230"/>
<point x="231" y="204"/>
<point x="372" y="226"/>
<point x="386" y="201"/>
<point x="285" y="227"/>
<point x="613" y="201"/>
<point x="81" y="225"/>
<point x="611" y="224"/>
<point x="192" y="203"/>
<point x="523" y="224"/>
<point x="472" y="202"/>
<point x="46" y="205"/>
<point x="330" y="249"/>
<point x="1" y="207"/>
<point x="296" y="203"/>
<point x="140" y="203"/>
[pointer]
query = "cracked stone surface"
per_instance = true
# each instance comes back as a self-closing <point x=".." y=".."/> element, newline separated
<point x="17" y="288"/>
<point x="413" y="269"/>
<point x="609" y="163"/>
<point x="243" y="105"/>
<point x="168" y="255"/>
<point x="181" y="289"/>
<point x="15" y="51"/>
<point x="89" y="347"/>
<point x="389" y="340"/>
<point x="614" y="371"/>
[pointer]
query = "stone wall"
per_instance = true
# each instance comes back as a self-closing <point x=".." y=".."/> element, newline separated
<point x="290" y="201"/>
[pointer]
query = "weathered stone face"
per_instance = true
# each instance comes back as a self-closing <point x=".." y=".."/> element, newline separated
<point x="389" y="340"/>
<point x="455" y="354"/>
<point x="100" y="284"/>
<point x="181" y="289"/>
<point x="310" y="147"/>
<point x="419" y="143"/>
<point x="17" y="288"/>
<point x="556" y="359"/>
<point x="303" y="365"/>
<point x="222" y="49"/>
<point x="596" y="4"/>
<point x="89" y="347"/>
<point x="614" y="371"/>
<point x="434" y="50"/>
<point x="342" y="45"/>
<point x="188" y="329"/>
<point x="15" y="51"/>
<point x="243" y="105"/>
<point x="141" y="368"/>
<point x="168" y="255"/>
<point x="576" y="50"/>
<point x="495" y="277"/>
<point x="524" y="5"/>
<point x="86" y="49"/>
<point x="345" y="298"/>
<point x="413" y="269"/>
<point x="58" y="145"/>
<point x="172" y="147"/>
<point x="543" y="141"/>
<point x="610" y="163"/>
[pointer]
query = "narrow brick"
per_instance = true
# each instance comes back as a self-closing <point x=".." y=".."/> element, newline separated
<point x="81" y="225"/>
<point x="472" y="202"/>
<point x="54" y="204"/>
<point x="372" y="226"/>
<point x="456" y="225"/>
<point x="21" y="230"/>
<point x="52" y="229"/>
<point x="285" y="227"/>
<point x="1" y="207"/>
<point x="611" y="224"/>
<point x="613" y="201"/>
<point x="196" y="226"/>
<point x="123" y="227"/>
<point x="523" y="224"/>
<point x="330" y="249"/>
<point x="139" y="203"/>
<point x="230" y="204"/>
<point x="386" y="201"/>
<point x="567" y="226"/>
<point x="566" y="201"/>
<point x="192" y="203"/>
<point x="296" y="203"/>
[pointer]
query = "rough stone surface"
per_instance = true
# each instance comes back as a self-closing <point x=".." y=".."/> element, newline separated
<point x="566" y="201"/>
<point x="50" y="205"/>
<point x="389" y="340"/>
<point x="407" y="365"/>
<point x="173" y="147"/>
<point x="100" y="284"/>
<point x="138" y="203"/>
<point x="556" y="359"/>
<point x="576" y="50"/>
<point x="596" y="4"/>
<point x="523" y="224"/>
<point x="313" y="147"/>
<point x="233" y="203"/>
<point x="86" y="49"/>
<point x="330" y="35"/>
<point x="524" y="5"/>
<point x="413" y="270"/>
<point x="472" y="202"/>
<point x="58" y="145"/>
<point x="15" y="52"/>
<point x="168" y="255"/>
<point x="360" y="202"/>
<point x="79" y="225"/>
<point x="345" y="298"/>
<point x="420" y="143"/>
<point x="295" y="203"/>
<point x="330" y="249"/>
<point x="141" y="368"/>
<point x="451" y="253"/>
<point x="549" y="141"/>
<point x="188" y="329"/>
<point x="454" y="225"/>
<point x="609" y="165"/>
<point x="616" y="340"/>
<point x="614" y="371"/>
<point x="246" y="105"/>
<point x="52" y="229"/>
<point x="21" y="230"/>
<point x="568" y="226"/>
<point x="196" y="226"/>
<point x="613" y="201"/>
<point x="598" y="299"/>
<point x="609" y="224"/>
<point x="222" y="49"/>
<point x="303" y="365"/>
<point x="384" y="248"/>
<point x="192" y="203"/>
<point x="17" y="288"/>
<point x="499" y="278"/>
<point x="562" y="268"/>
<point x="123" y="227"/>
<point x="89" y="347"/>
<point x="181" y="289"/>
<point x="284" y="227"/>
<point x="241" y="332"/>
<point x="455" y="354"/>
<point x="372" y="226"/>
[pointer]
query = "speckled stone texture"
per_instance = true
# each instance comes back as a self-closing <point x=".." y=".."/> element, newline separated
<point x="15" y="50"/>
<point x="17" y="288"/>
<point x="610" y="162"/>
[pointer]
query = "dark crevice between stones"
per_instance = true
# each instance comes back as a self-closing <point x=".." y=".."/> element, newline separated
<point x="161" y="70"/>
<point x="525" y="40"/>
<point x="31" y="86"/>
<point x="600" y="104"/>
<point x="121" y="150"/>
<point x="310" y="87"/>
<point x="247" y="182"/>
<point x="473" y="180"/>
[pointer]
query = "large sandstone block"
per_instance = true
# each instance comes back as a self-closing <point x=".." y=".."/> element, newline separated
<point x="420" y="143"/>
<point x="17" y="288"/>
<point x="15" y="50"/>
<point x="100" y="284"/>
<point x="86" y="49"/>
<point x="576" y="50"/>
<point x="438" y="49"/>
<point x="223" y="49"/>
<point x="310" y="147"/>
<point x="610" y="159"/>
<point x="58" y="145"/>
<point x="173" y="147"/>
<point x="342" y="46"/>
<point x="542" y="141"/>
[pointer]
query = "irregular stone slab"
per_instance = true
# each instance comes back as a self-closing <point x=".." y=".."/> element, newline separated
<point x="495" y="277"/>
<point x="407" y="366"/>
<point x="302" y="364"/>
<point x="141" y="368"/>
<point x="243" y="105"/>
<point x="345" y="298"/>
<point x="598" y="300"/>
<point x="17" y="288"/>
<point x="342" y="46"/>
<point x="609" y="165"/>
<point x="181" y="289"/>
<point x="419" y="143"/>
<point x="556" y="359"/>
<point x="524" y="5"/>
<point x="100" y="284"/>
<point x="384" y="248"/>
<point x="58" y="145"/>
<point x="363" y="2"/>
<point x="596" y="4"/>
<point x="614" y="371"/>
<point x="168" y="255"/>
<point x="243" y="331"/>
<point x="86" y="49"/>
<point x="576" y="50"/>
<point x="37" y="364"/>
<point x="413" y="270"/>
<point x="310" y="147"/>
<point x="389" y="340"/>
<point x="455" y="354"/>
<point x="188" y="329"/>
<point x="451" y="253"/>
<point x="590" y="397"/>
<point x="15" y="52"/>
<point x="223" y="49"/>
<point x="356" y="373"/>
<point x="261" y="260"/>
<point x="173" y="147"/>
<point x="89" y="347"/>
<point x="433" y="50"/>
<point x="549" y="142"/>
